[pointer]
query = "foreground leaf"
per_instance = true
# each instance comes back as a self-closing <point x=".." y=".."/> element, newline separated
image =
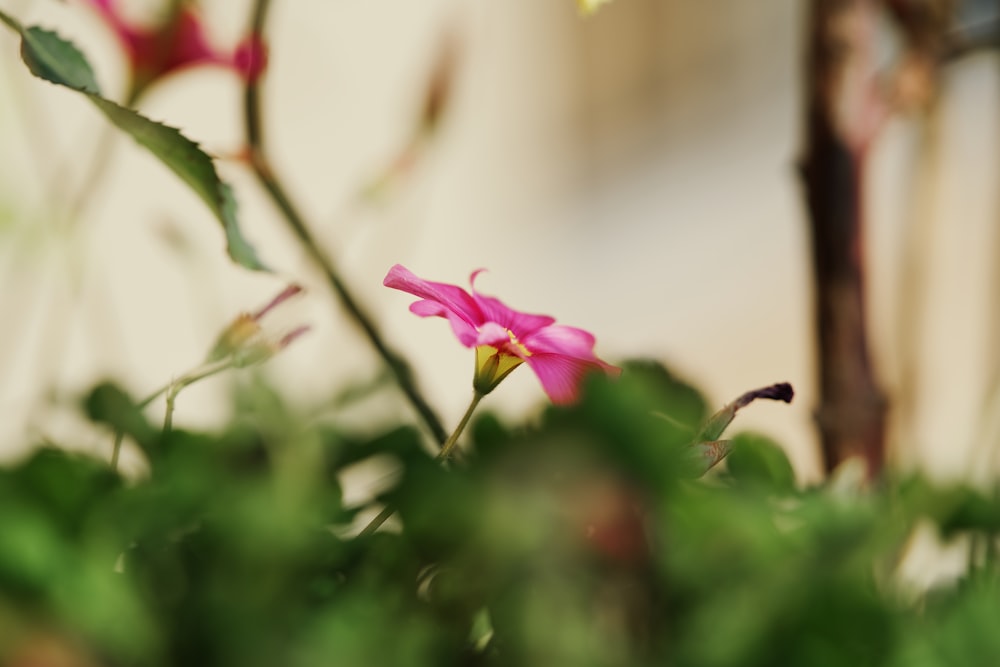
<point x="757" y="460"/>
<point x="51" y="58"/>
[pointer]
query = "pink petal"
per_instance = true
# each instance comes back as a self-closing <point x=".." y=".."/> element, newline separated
<point x="561" y="356"/>
<point x="494" y="310"/>
<point x="189" y="44"/>
<point x="452" y="298"/>
<point x="559" y="339"/>
<point x="464" y="332"/>
<point x="292" y="335"/>
<point x="561" y="375"/>
<point x="179" y="42"/>
<point x="286" y="294"/>
<point x="105" y="7"/>
<point x="250" y="57"/>
<point x="494" y="335"/>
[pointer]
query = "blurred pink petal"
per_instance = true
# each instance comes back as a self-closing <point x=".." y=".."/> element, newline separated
<point x="178" y="42"/>
<point x="250" y="57"/>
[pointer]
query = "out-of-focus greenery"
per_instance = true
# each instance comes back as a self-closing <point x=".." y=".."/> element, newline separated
<point x="583" y="537"/>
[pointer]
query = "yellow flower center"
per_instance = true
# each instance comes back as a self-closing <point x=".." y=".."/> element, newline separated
<point x="493" y="364"/>
<point x="518" y="344"/>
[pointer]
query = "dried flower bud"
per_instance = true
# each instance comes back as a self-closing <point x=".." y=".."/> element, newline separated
<point x="243" y="339"/>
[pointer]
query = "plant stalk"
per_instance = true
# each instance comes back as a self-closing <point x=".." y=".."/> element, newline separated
<point x="292" y="216"/>
<point x="852" y="410"/>
<point x="443" y="455"/>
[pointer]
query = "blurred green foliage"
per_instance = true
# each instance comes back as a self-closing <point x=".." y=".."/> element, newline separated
<point x="583" y="537"/>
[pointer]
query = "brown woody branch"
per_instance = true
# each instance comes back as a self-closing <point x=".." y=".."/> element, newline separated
<point x="852" y="408"/>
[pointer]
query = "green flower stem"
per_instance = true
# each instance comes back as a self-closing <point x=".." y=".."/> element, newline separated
<point x="444" y="454"/>
<point x="450" y="443"/>
<point x="116" y="450"/>
<point x="192" y="376"/>
<point x="377" y="522"/>
<point x="168" y="415"/>
<point x="171" y="389"/>
<point x="200" y="373"/>
<point x="296" y="222"/>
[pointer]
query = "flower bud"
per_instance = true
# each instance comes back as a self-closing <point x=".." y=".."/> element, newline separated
<point x="243" y="339"/>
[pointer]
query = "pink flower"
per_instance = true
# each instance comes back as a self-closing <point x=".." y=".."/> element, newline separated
<point x="504" y="338"/>
<point x="177" y="42"/>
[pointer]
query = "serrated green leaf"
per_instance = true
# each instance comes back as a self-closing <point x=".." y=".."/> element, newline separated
<point x="56" y="60"/>
<point x="51" y="58"/>
<point x="192" y="165"/>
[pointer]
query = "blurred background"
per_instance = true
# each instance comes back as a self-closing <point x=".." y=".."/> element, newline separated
<point x="633" y="173"/>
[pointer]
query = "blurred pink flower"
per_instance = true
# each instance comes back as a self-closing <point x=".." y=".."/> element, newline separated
<point x="504" y="338"/>
<point x="177" y="42"/>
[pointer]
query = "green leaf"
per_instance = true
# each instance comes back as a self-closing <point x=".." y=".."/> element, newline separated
<point x="51" y="58"/>
<point x="58" y="61"/>
<point x="195" y="168"/>
<point x="675" y="400"/>
<point x="109" y="404"/>
<point x="759" y="461"/>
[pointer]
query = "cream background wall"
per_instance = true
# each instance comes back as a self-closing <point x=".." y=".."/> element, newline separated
<point x="631" y="174"/>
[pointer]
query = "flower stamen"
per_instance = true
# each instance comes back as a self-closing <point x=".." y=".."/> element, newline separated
<point x="521" y="350"/>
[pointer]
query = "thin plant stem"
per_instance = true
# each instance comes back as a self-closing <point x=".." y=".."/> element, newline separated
<point x="171" y="389"/>
<point x="199" y="373"/>
<point x="295" y="221"/>
<point x="377" y="522"/>
<point x="174" y="388"/>
<point x="168" y="415"/>
<point x="444" y="454"/>
<point x="450" y="443"/>
<point x="116" y="450"/>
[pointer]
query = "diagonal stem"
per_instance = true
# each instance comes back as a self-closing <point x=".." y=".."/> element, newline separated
<point x="443" y="455"/>
<point x="296" y="223"/>
<point x="449" y="444"/>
